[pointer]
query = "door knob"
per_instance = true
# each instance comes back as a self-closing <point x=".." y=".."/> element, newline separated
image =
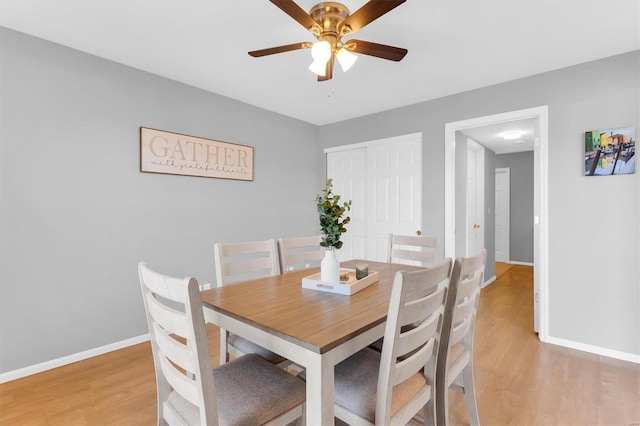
<point x="418" y="232"/>
<point x="476" y="226"/>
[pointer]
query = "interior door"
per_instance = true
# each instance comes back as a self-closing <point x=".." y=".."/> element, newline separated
<point x="475" y="197"/>
<point x="348" y="169"/>
<point x="502" y="214"/>
<point x="384" y="180"/>
<point x="394" y="193"/>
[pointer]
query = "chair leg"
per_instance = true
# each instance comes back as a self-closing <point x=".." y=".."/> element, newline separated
<point x="429" y="413"/>
<point x="442" y="401"/>
<point x="224" y="346"/>
<point x="470" y="394"/>
<point x="429" y="410"/>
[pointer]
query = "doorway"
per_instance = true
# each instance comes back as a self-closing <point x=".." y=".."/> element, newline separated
<point x="540" y="149"/>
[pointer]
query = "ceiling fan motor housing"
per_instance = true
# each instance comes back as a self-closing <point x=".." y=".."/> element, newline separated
<point x="330" y="16"/>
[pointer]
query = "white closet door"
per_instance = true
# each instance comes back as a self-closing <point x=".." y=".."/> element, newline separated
<point x="394" y="193"/>
<point x="384" y="181"/>
<point x="348" y="169"/>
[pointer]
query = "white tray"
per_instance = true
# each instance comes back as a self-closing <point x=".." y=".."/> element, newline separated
<point x="349" y="287"/>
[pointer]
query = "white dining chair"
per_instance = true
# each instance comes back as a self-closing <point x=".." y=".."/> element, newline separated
<point x="299" y="253"/>
<point x="246" y="260"/>
<point x="413" y="250"/>
<point x="455" y="357"/>
<point x="237" y="262"/>
<point x="247" y="390"/>
<point x="392" y="387"/>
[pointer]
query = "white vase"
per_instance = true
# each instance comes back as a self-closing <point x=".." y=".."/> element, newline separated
<point x="330" y="267"/>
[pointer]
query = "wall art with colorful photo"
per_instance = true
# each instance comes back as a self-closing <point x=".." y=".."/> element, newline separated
<point x="610" y="152"/>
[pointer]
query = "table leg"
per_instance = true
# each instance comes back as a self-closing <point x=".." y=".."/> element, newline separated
<point x="320" y="379"/>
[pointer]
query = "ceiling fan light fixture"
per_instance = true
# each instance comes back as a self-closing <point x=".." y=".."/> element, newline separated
<point x="512" y="134"/>
<point x="318" y="67"/>
<point x="321" y="53"/>
<point x="346" y="59"/>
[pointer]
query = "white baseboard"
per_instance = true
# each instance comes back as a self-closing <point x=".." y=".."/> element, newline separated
<point x="59" y="362"/>
<point x="515" y="262"/>
<point x="489" y="281"/>
<point x="598" y="350"/>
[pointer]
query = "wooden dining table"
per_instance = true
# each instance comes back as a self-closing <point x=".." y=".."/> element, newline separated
<point x="312" y="328"/>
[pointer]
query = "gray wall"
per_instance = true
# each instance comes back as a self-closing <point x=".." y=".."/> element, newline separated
<point x="521" y="204"/>
<point x="76" y="215"/>
<point x="595" y="95"/>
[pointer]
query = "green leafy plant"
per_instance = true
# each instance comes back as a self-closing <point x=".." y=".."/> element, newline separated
<point x="331" y="214"/>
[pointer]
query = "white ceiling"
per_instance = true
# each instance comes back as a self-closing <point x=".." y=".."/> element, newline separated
<point x="454" y="46"/>
<point x="491" y="136"/>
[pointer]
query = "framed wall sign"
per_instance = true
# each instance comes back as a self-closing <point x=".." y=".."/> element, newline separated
<point x="178" y="154"/>
<point x="610" y="152"/>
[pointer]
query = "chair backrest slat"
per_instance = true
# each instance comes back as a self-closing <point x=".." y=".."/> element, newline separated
<point x="460" y="331"/>
<point x="242" y="261"/>
<point x="425" y="251"/>
<point x="474" y="264"/>
<point x="164" y="286"/>
<point x="251" y="247"/>
<point x="179" y="353"/>
<point x="299" y="253"/>
<point x="413" y="363"/>
<point x="464" y="309"/>
<point x="469" y="285"/>
<point x="414" y="311"/>
<point x="412" y="339"/>
<point x="168" y="318"/>
<point x="410" y="240"/>
<point x="186" y="387"/>
<point x="261" y="267"/>
<point x="419" y="256"/>
<point x="307" y="258"/>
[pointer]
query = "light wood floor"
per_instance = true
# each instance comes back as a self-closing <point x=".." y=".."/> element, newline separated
<point x="519" y="381"/>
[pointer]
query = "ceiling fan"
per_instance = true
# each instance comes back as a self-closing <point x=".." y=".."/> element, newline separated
<point x="329" y="22"/>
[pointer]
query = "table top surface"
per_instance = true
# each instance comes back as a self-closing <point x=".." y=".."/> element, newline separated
<point x="316" y="320"/>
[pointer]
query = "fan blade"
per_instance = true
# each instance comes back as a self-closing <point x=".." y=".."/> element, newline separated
<point x="369" y="13"/>
<point x="296" y="12"/>
<point x="280" y="49"/>
<point x="378" y="50"/>
<point x="329" y="70"/>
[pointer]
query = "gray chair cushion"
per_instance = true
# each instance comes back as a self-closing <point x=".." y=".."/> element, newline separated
<point x="250" y="391"/>
<point x="356" y="385"/>
<point x="248" y="347"/>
